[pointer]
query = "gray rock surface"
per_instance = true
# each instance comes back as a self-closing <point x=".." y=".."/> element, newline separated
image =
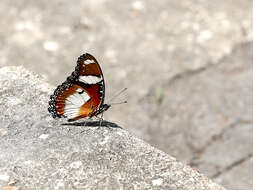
<point x="38" y="152"/>
<point x="216" y="103"/>
<point x="167" y="53"/>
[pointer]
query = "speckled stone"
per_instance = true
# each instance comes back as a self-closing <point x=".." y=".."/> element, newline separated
<point x="38" y="152"/>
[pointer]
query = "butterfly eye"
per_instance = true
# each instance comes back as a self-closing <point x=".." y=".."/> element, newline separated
<point x="80" y="91"/>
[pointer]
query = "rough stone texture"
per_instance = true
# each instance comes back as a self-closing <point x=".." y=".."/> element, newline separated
<point x="167" y="53"/>
<point x="216" y="103"/>
<point x="38" y="152"/>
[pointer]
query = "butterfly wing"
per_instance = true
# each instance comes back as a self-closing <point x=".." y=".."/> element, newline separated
<point x="82" y="93"/>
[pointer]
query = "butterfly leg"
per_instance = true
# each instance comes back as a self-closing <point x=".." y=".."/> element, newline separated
<point x="101" y="119"/>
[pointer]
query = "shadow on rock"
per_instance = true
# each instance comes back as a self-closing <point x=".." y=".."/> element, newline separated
<point x="95" y="124"/>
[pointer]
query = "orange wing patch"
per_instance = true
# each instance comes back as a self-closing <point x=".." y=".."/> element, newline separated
<point x="90" y="106"/>
<point x="62" y="98"/>
<point x="75" y="102"/>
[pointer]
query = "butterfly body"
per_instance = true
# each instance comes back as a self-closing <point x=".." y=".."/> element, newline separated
<point x="82" y="94"/>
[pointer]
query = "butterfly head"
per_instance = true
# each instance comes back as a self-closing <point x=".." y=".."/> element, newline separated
<point x="105" y="107"/>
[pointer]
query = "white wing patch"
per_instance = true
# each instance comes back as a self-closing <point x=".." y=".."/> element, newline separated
<point x="74" y="102"/>
<point x="89" y="61"/>
<point x="90" y="79"/>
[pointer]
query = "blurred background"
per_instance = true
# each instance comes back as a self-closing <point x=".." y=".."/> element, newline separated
<point x="188" y="67"/>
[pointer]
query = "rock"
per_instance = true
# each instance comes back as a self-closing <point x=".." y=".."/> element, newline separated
<point x="142" y="45"/>
<point x="39" y="152"/>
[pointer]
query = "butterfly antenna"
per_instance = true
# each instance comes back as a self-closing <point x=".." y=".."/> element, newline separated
<point x="117" y="94"/>
<point x="115" y="103"/>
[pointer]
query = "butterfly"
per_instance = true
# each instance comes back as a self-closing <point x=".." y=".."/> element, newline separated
<point x="82" y="94"/>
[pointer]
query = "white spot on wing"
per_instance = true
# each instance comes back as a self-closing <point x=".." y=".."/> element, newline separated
<point x="90" y="79"/>
<point x="79" y="90"/>
<point x="89" y="61"/>
<point x="74" y="102"/>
